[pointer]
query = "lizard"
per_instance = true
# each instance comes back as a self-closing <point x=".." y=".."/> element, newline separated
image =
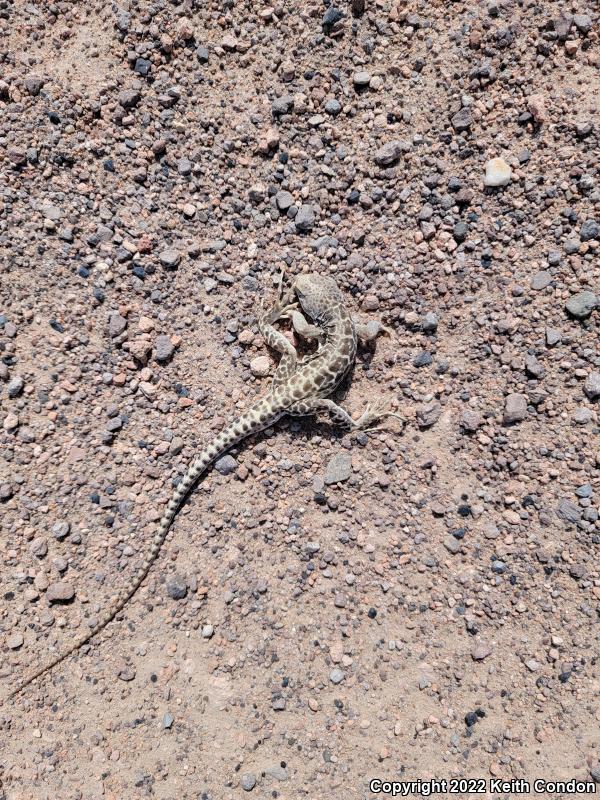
<point x="300" y="386"/>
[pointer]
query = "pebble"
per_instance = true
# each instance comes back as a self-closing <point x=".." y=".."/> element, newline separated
<point x="226" y="465"/>
<point x="462" y="120"/>
<point x="260" y="366"/>
<point x="15" y="386"/>
<point x="60" y="530"/>
<point x="361" y="79"/>
<point x="591" y="386"/>
<point x="338" y="469"/>
<point x="60" y="592"/>
<point x="541" y="280"/>
<point x="481" y="652"/>
<point x="170" y="258"/>
<point x="163" y="348"/>
<point x="390" y="153"/>
<point x="336" y="676"/>
<point x="14" y="641"/>
<point x="305" y="218"/>
<point x="582" y="304"/>
<point x="515" y="408"/>
<point x="177" y="587"/>
<point x="207" y="631"/>
<point x="470" y="420"/>
<point x="248" y="781"/>
<point x="497" y="172"/>
<point x="167" y="720"/>
<point x="589" y="230"/>
<point x="428" y="414"/>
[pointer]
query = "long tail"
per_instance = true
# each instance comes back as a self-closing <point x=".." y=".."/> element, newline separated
<point x="260" y="416"/>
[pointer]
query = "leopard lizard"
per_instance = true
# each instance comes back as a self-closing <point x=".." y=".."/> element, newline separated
<point x="300" y="386"/>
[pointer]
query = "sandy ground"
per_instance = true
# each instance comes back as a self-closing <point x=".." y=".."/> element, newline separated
<point x="434" y="612"/>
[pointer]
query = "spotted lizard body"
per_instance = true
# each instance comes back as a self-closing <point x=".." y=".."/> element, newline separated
<point x="300" y="386"/>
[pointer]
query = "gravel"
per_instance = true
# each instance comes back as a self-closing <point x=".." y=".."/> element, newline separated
<point x="162" y="163"/>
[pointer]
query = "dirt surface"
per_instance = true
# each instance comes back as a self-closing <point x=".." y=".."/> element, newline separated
<point x="329" y="608"/>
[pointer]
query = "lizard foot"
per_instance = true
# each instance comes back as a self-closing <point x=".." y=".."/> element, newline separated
<point x="374" y="412"/>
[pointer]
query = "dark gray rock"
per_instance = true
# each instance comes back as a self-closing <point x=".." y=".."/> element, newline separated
<point x="163" y="348"/>
<point x="177" y="587"/>
<point x="305" y="218"/>
<point x="540" y="280"/>
<point x="390" y="153"/>
<point x="282" y="105"/>
<point x="591" y="387"/>
<point x="170" y="258"/>
<point x="582" y="304"/>
<point x="226" y="465"/>
<point x="462" y="120"/>
<point x="568" y="511"/>
<point x="338" y="469"/>
<point x="589" y="230"/>
<point x="15" y="386"/>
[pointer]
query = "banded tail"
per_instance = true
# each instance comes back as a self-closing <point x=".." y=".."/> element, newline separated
<point x="261" y="415"/>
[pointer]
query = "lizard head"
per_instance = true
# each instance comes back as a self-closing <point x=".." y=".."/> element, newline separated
<point x="319" y="297"/>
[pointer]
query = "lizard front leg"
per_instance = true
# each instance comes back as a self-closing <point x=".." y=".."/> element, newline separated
<point x="275" y="339"/>
<point x="370" y="330"/>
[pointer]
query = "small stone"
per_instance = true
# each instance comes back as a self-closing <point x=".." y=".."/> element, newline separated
<point x="532" y="665"/>
<point x="333" y="107"/>
<point x="6" y="492"/>
<point x="278" y="704"/>
<point x="497" y="172"/>
<point x="60" y="530"/>
<point x="142" y="66"/>
<point x="331" y="17"/>
<point x="168" y="720"/>
<point x="336" y="676"/>
<point x="202" y="54"/>
<point x="361" y="79"/>
<point x="429" y="323"/>
<point x="260" y="366"/>
<point x="163" y="348"/>
<point x="591" y="387"/>
<point x="15" y="386"/>
<point x="428" y="414"/>
<point x="282" y="105"/>
<point x="470" y="420"/>
<point x="170" y="258"/>
<point x="226" y="465"/>
<point x="126" y="674"/>
<point x="553" y="337"/>
<point x="39" y="547"/>
<point x="177" y="587"/>
<point x="533" y="368"/>
<point x="462" y="120"/>
<point x="129" y="98"/>
<point x="568" y="511"/>
<point x="536" y="103"/>
<point x="60" y="592"/>
<point x="589" y="230"/>
<point x="515" y="409"/>
<point x="595" y="772"/>
<point x="452" y="545"/>
<point x="248" y="781"/>
<point x="116" y="325"/>
<point x="15" y="640"/>
<point x="305" y="218"/>
<point x="423" y="359"/>
<point x="391" y="152"/>
<point x="582" y="304"/>
<point x="207" y="631"/>
<point x="34" y="84"/>
<point x="481" y="652"/>
<point x="540" y="280"/>
<point x="338" y="469"/>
